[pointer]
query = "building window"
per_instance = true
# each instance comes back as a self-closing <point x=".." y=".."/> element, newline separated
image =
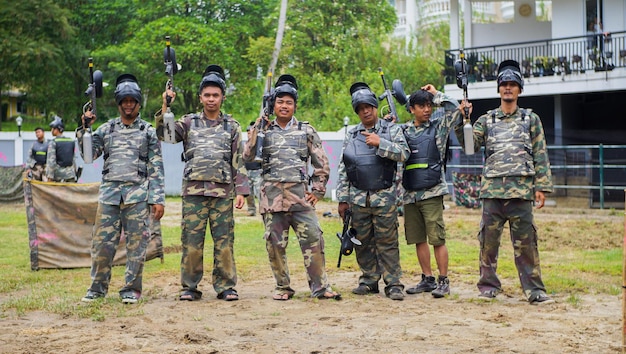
<point x="493" y="12"/>
<point x="543" y="11"/>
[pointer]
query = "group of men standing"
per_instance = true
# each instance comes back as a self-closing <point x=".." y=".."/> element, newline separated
<point x="53" y="160"/>
<point x="516" y="174"/>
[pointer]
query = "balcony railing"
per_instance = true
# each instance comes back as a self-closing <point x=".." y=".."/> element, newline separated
<point x="560" y="56"/>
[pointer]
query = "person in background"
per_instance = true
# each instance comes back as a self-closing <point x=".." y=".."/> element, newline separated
<point x="37" y="157"/>
<point x="61" y="159"/>
<point x="255" y="179"/>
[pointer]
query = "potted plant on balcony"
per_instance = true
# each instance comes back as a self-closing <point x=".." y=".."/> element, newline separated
<point x="490" y="68"/>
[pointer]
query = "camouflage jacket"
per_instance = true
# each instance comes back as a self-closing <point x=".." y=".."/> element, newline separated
<point x="54" y="172"/>
<point x="290" y="196"/>
<point x="444" y="124"/>
<point x="396" y="150"/>
<point x="239" y="184"/>
<point x="152" y="189"/>
<point x="518" y="187"/>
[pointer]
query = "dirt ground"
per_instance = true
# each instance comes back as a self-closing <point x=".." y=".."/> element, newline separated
<point x="258" y="324"/>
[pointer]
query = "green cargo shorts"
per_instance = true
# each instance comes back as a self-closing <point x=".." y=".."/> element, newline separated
<point x="423" y="221"/>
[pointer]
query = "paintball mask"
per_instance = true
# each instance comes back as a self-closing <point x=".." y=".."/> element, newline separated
<point x="361" y="93"/>
<point x="286" y="85"/>
<point x="57" y="123"/>
<point x="126" y="85"/>
<point x="509" y="71"/>
<point x="213" y="76"/>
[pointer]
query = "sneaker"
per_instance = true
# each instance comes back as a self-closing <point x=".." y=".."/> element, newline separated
<point x="488" y="294"/>
<point x="364" y="289"/>
<point x="130" y="297"/>
<point x="92" y="296"/>
<point x="427" y="284"/>
<point x="443" y="287"/>
<point x="540" y="298"/>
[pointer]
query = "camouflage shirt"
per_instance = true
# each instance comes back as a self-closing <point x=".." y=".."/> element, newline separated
<point x="396" y="150"/>
<point x="54" y="172"/>
<point x="239" y="182"/>
<point x="152" y="188"/>
<point x="290" y="196"/>
<point x="444" y="124"/>
<point x="514" y="187"/>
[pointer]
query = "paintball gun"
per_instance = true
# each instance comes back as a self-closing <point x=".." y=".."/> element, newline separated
<point x="398" y="92"/>
<point x="171" y="68"/>
<point x="94" y="90"/>
<point x="460" y="67"/>
<point x="267" y="109"/>
<point x="347" y="237"/>
<point x="387" y="95"/>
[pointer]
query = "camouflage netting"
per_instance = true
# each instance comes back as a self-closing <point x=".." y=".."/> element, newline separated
<point x="11" y="189"/>
<point x="60" y="222"/>
<point x="466" y="189"/>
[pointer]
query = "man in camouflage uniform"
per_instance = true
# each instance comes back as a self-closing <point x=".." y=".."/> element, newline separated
<point x="132" y="184"/>
<point x="366" y="185"/>
<point x="37" y="156"/>
<point x="425" y="185"/>
<point x="516" y="172"/>
<point x="285" y="202"/>
<point x="60" y="160"/>
<point x="214" y="175"/>
<point x="255" y="179"/>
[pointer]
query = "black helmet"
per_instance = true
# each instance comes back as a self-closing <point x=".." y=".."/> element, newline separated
<point x="286" y="85"/>
<point x="213" y="76"/>
<point x="57" y="123"/>
<point x="126" y="85"/>
<point x="361" y="93"/>
<point x="509" y="71"/>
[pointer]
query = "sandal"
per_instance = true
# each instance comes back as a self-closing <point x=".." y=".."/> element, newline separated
<point x="228" y="295"/>
<point x="329" y="295"/>
<point x="189" y="295"/>
<point x="282" y="295"/>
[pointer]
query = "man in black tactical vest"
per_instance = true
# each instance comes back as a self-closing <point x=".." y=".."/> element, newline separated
<point x="60" y="159"/>
<point x="367" y="172"/>
<point x="37" y="157"/>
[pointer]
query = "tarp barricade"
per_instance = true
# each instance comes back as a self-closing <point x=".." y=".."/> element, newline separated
<point x="466" y="189"/>
<point x="11" y="189"/>
<point x="60" y="225"/>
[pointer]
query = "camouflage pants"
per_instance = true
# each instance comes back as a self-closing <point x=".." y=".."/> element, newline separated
<point x="218" y="213"/>
<point x="309" y="234"/>
<point x="110" y="220"/>
<point x="37" y="172"/>
<point x="379" y="253"/>
<point x="523" y="231"/>
<point x="254" y="176"/>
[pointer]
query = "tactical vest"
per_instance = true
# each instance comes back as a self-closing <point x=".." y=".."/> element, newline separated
<point x="423" y="168"/>
<point x="40" y="152"/>
<point x="65" y="151"/>
<point x="365" y="169"/>
<point x="208" y="155"/>
<point x="126" y="159"/>
<point x="285" y="155"/>
<point x="508" y="147"/>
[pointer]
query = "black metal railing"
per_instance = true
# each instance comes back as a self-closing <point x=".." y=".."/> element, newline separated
<point x="560" y="56"/>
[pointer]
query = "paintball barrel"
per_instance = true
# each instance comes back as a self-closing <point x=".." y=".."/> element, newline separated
<point x="388" y="96"/>
<point x="460" y="67"/>
<point x="347" y="237"/>
<point x="94" y="90"/>
<point x="267" y="109"/>
<point x="171" y="68"/>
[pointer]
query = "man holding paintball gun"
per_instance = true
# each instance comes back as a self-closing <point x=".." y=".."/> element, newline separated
<point x="288" y="145"/>
<point x="132" y="190"/>
<point x="367" y="172"/>
<point x="425" y="185"/>
<point x="516" y="173"/>
<point x="213" y="177"/>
